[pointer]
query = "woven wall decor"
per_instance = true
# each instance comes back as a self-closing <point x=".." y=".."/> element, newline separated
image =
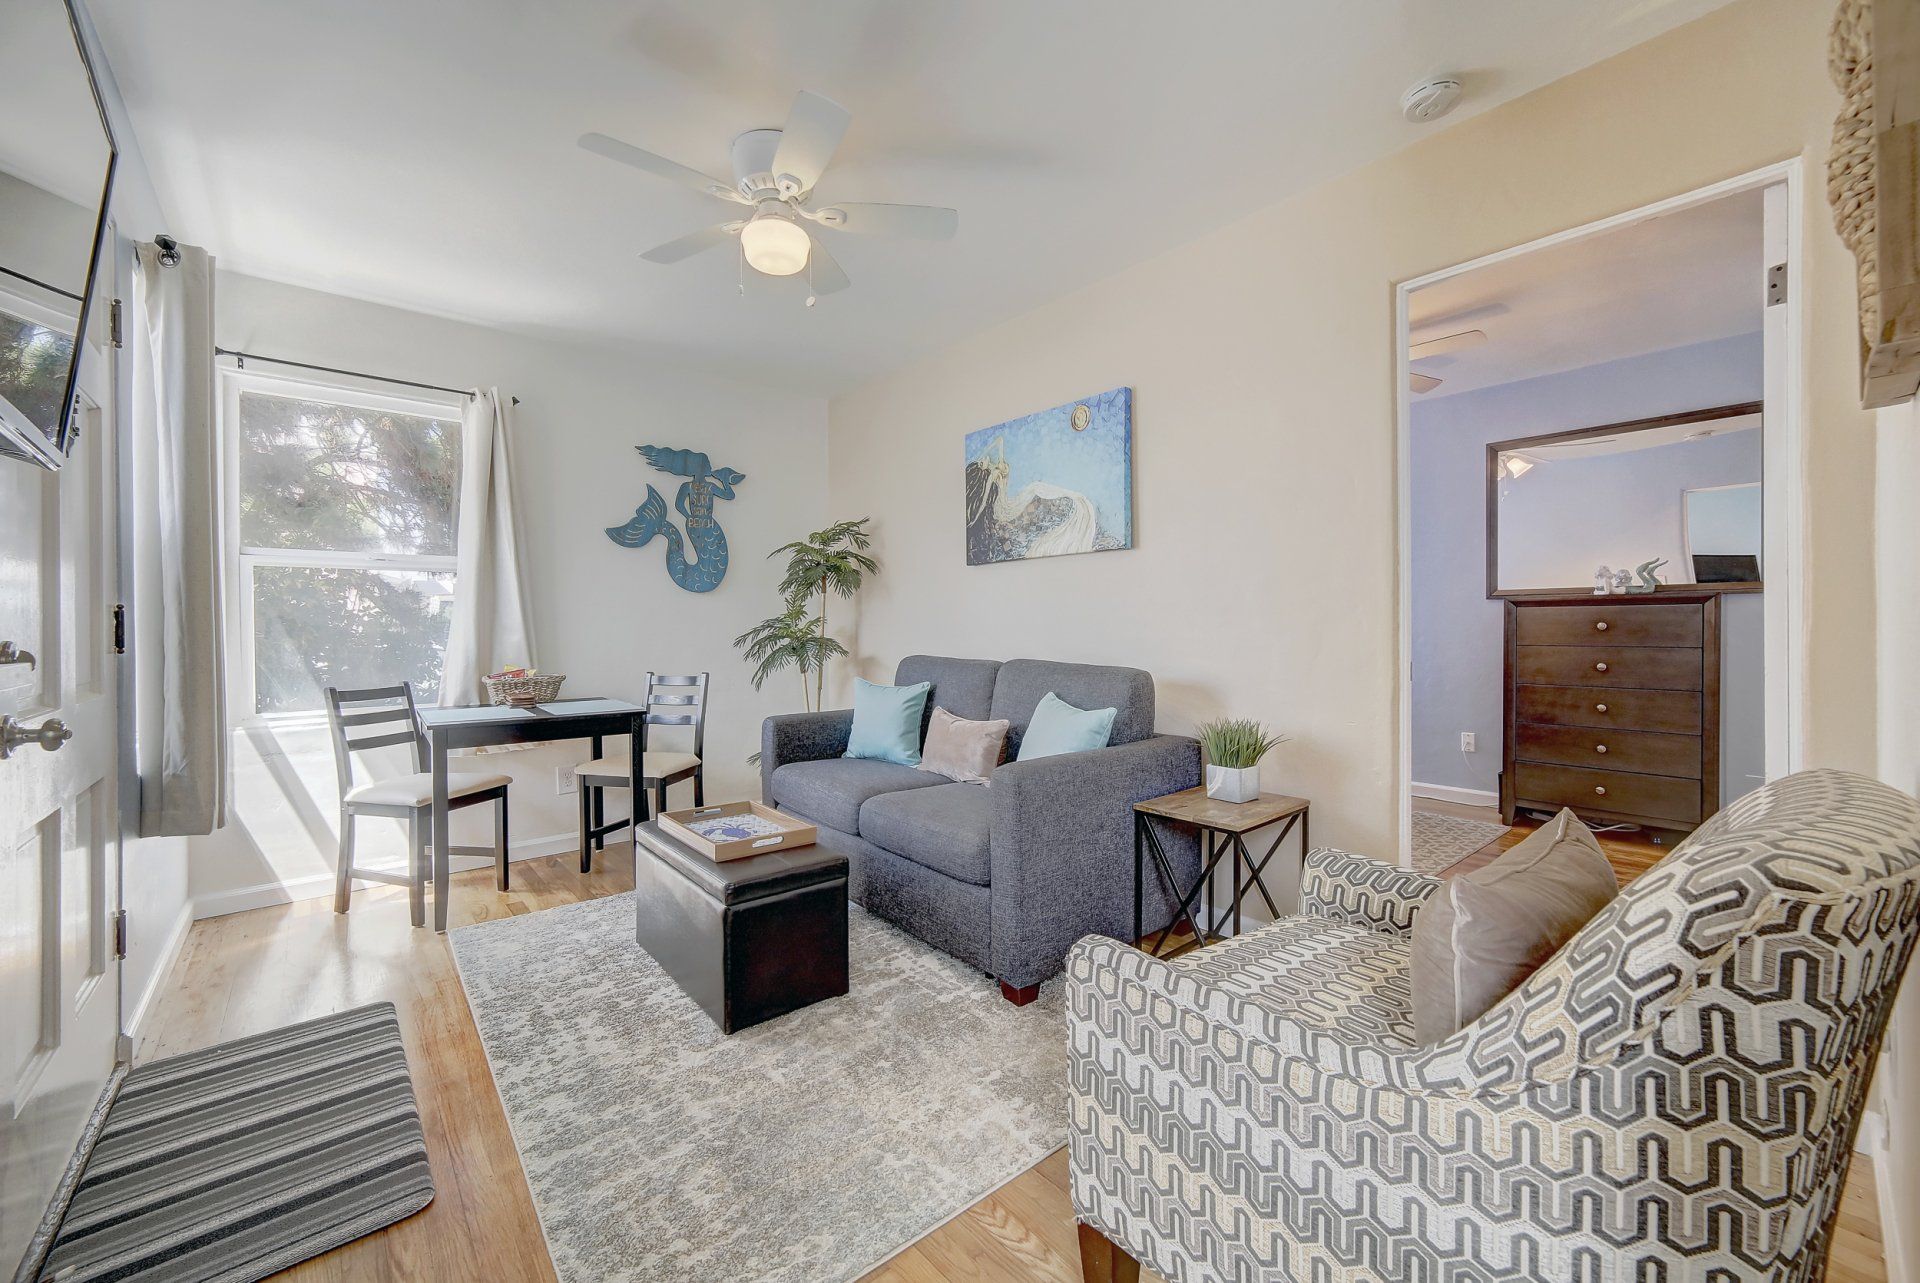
<point x="1850" y="165"/>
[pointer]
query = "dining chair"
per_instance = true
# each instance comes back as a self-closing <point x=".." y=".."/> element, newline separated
<point x="401" y="797"/>
<point x="659" y="768"/>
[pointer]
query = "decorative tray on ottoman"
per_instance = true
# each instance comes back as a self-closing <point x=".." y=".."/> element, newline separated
<point x="732" y="830"/>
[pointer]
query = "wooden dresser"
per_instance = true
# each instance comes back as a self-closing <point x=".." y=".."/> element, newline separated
<point x="1613" y="708"/>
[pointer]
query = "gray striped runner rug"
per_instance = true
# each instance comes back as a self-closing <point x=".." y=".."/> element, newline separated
<point x="242" y="1159"/>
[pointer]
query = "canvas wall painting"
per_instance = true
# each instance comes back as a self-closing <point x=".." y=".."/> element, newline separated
<point x="1052" y="483"/>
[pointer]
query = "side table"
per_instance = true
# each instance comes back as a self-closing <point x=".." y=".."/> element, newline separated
<point x="1223" y="828"/>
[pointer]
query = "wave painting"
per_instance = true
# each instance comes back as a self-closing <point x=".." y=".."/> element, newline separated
<point x="1052" y="483"/>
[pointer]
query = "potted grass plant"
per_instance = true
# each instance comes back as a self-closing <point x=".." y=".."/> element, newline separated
<point x="1234" y="747"/>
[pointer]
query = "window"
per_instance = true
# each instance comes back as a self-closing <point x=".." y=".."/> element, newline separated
<point x="342" y="511"/>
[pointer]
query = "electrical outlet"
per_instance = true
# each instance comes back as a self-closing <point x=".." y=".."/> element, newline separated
<point x="1466" y="741"/>
<point x="565" y="781"/>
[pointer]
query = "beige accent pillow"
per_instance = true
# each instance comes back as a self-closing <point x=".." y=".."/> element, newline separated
<point x="1483" y="933"/>
<point x="963" y="750"/>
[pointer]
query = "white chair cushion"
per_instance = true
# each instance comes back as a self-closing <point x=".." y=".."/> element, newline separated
<point x="417" y="789"/>
<point x="654" y="766"/>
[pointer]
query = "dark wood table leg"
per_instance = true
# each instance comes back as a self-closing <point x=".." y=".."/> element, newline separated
<point x="636" y="768"/>
<point x="440" y="851"/>
<point x="1139" y="880"/>
<point x="599" y="800"/>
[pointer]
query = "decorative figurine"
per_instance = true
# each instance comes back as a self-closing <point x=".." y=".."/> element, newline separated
<point x="1645" y="570"/>
<point x="704" y="484"/>
<point x="1622" y="581"/>
<point x="1602" y="581"/>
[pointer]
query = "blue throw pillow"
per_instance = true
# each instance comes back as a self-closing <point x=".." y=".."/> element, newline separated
<point x="1058" y="727"/>
<point x="886" y="721"/>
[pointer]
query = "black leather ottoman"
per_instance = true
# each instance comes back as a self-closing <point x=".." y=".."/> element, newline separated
<point x="747" y="939"/>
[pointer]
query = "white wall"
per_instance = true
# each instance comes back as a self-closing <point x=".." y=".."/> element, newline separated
<point x="604" y="614"/>
<point x="1897" y="570"/>
<point x="1263" y="581"/>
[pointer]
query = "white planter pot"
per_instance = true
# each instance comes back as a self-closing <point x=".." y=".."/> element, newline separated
<point x="1231" y="784"/>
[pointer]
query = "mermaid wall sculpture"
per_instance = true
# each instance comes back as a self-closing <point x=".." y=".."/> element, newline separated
<point x="703" y="485"/>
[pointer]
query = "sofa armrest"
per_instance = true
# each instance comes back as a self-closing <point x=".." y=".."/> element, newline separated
<point x="1062" y="849"/>
<point x="1352" y="888"/>
<point x="800" y="737"/>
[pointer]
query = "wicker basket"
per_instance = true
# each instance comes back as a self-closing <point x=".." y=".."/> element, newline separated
<point x="523" y="691"/>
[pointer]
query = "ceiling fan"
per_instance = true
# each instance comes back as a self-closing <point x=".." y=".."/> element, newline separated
<point x="774" y="175"/>
<point x="1445" y="345"/>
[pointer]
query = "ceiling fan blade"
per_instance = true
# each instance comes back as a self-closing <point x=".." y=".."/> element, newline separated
<point x="825" y="275"/>
<point x="659" y="167"/>
<point x="923" y="222"/>
<point x="1445" y="344"/>
<point x="1422" y="382"/>
<point x="692" y="243"/>
<point x="814" y="128"/>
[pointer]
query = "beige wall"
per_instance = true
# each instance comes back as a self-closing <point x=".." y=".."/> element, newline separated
<point x="1261" y="358"/>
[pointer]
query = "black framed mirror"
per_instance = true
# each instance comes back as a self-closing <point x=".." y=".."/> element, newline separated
<point x="57" y="158"/>
<point x="1681" y="494"/>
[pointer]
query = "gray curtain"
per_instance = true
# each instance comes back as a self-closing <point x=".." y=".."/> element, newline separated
<point x="492" y="624"/>
<point x="181" y="724"/>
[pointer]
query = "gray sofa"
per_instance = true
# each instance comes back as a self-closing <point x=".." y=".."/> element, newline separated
<point x="1008" y="876"/>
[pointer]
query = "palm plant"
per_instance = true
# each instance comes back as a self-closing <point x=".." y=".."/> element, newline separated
<point x="830" y="562"/>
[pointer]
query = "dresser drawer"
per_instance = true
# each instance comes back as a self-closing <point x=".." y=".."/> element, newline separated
<point x="1653" y="796"/>
<point x="1613" y="750"/>
<point x="1650" y="667"/>
<point x="1679" y="625"/>
<point x="1672" y="712"/>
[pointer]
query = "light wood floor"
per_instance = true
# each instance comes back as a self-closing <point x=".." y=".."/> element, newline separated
<point x="252" y="971"/>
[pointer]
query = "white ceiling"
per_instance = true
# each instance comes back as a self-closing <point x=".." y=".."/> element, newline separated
<point x="422" y="153"/>
<point x="1686" y="277"/>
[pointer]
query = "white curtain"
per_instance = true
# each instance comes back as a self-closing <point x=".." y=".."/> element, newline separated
<point x="492" y="622"/>
<point x="181" y="734"/>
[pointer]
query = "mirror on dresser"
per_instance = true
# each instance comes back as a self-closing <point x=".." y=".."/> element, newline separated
<point x="1682" y="489"/>
<point x="56" y="172"/>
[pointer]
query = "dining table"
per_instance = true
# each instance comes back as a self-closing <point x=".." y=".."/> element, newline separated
<point x="485" y="725"/>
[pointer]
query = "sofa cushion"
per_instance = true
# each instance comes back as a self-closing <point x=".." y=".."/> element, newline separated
<point x="887" y="721"/>
<point x="1483" y="933"/>
<point x="1023" y="682"/>
<point x="962" y="750"/>
<point x="1058" y="727"/>
<point x="964" y="687"/>
<point x="831" y="791"/>
<point x="945" y="828"/>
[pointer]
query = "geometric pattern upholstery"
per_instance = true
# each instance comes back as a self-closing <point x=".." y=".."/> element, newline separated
<point x="1672" y="1096"/>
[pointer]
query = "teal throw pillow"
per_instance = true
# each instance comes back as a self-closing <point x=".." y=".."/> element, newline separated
<point x="886" y="721"/>
<point x="1058" y="727"/>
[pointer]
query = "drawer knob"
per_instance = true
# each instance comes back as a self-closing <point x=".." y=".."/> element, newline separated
<point x="1600" y="667"/>
<point x="1601" y="789"/>
<point x="1599" y="708"/>
<point x="1599" y="748"/>
<point x="1600" y="627"/>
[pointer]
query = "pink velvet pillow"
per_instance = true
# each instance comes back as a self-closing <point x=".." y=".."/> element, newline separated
<point x="962" y="750"/>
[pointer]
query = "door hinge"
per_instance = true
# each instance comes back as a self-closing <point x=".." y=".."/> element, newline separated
<point x="119" y="628"/>
<point x="113" y="323"/>
<point x="119" y="933"/>
<point x="1776" y="284"/>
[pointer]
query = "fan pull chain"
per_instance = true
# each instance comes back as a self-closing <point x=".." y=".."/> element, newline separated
<point x="811" y="300"/>
<point x="743" y="269"/>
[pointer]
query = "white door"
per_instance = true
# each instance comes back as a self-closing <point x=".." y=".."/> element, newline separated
<point x="59" y="826"/>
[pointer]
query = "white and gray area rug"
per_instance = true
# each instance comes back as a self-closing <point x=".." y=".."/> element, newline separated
<point x="1441" y="841"/>
<point x="812" y="1147"/>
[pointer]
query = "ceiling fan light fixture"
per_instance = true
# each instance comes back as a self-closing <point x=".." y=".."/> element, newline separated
<point x="775" y="245"/>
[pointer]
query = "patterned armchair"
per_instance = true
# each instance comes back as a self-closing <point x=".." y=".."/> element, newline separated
<point x="1673" y="1096"/>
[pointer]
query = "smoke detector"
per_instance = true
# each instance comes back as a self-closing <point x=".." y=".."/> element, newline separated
<point x="1430" y="99"/>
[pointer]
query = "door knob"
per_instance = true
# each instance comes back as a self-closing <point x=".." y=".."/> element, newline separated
<point x="50" y="735"/>
<point x="12" y="654"/>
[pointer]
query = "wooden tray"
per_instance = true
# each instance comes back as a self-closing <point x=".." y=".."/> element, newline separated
<point x="792" y="832"/>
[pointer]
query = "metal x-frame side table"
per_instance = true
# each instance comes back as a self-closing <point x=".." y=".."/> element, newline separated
<point x="1223" y="828"/>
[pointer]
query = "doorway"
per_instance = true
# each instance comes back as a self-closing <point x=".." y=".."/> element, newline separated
<point x="1622" y="394"/>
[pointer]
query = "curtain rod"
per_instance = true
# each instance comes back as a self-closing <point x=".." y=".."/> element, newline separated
<point x="51" y="289"/>
<point x="244" y="357"/>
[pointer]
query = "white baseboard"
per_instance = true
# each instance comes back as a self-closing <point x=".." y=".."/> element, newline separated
<point x="162" y="968"/>
<point x="1448" y="793"/>
<point x="265" y="894"/>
